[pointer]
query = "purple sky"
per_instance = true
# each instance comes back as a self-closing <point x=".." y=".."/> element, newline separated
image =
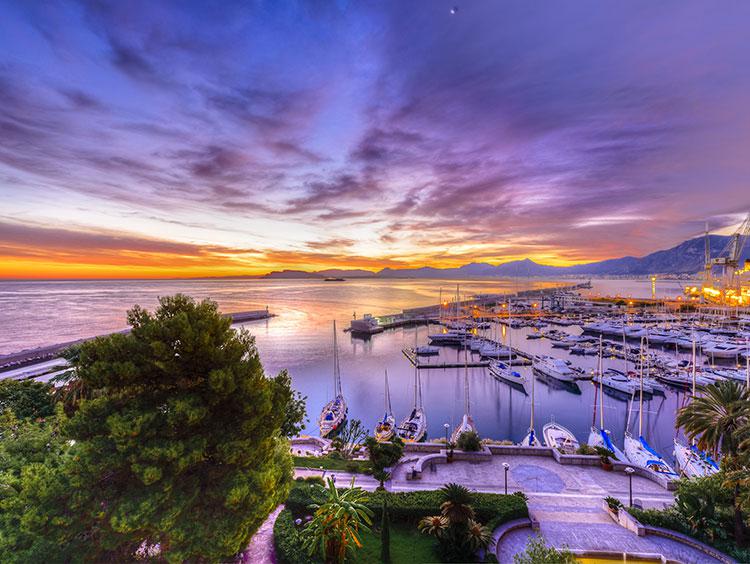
<point x="241" y="137"/>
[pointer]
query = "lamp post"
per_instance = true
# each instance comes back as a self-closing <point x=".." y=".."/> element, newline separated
<point x="324" y="472"/>
<point x="446" y="427"/>
<point x="629" y="471"/>
<point x="507" y="467"/>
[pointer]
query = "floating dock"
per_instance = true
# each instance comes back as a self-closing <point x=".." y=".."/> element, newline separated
<point x="414" y="359"/>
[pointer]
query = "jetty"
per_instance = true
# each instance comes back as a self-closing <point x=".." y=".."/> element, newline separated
<point x="37" y="355"/>
<point x="428" y="315"/>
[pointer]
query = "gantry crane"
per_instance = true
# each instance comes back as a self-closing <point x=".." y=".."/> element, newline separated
<point x="729" y="257"/>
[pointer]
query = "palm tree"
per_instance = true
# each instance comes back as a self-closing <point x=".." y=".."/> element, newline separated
<point x="336" y="524"/>
<point x="717" y="417"/>
<point x="719" y="420"/>
<point x="478" y="536"/>
<point x="456" y="504"/>
<point x="434" y="526"/>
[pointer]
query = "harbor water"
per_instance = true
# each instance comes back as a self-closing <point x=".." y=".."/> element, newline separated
<point x="299" y="339"/>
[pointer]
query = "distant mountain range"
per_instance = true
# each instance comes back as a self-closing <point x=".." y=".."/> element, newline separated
<point x="685" y="258"/>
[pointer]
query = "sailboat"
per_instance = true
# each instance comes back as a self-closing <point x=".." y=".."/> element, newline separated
<point x="467" y="423"/>
<point x="334" y="412"/>
<point x="601" y="436"/>
<point x="559" y="437"/>
<point x="386" y="427"/>
<point x="504" y="371"/>
<point x="531" y="439"/>
<point x="691" y="461"/>
<point x="412" y="429"/>
<point x="638" y="451"/>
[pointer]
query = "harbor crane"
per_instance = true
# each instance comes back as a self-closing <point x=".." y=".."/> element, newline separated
<point x="729" y="257"/>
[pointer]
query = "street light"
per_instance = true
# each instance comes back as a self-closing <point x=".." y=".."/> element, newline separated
<point x="629" y="471"/>
<point x="324" y="472"/>
<point x="507" y="467"/>
<point x="446" y="427"/>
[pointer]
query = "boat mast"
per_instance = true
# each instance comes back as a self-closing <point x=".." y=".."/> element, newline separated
<point x="466" y="380"/>
<point x="388" y="409"/>
<point x="693" y="363"/>
<point x="640" y="399"/>
<point x="601" y="386"/>
<point x="336" y="369"/>
<point x="510" y="341"/>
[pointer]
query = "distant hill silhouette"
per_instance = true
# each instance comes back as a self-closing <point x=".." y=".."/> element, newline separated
<point x="685" y="258"/>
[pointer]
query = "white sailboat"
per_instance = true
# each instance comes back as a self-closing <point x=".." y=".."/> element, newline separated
<point x="412" y="429"/>
<point x="601" y="436"/>
<point x="638" y="451"/>
<point x="387" y="426"/>
<point x="531" y="439"/>
<point x="559" y="437"/>
<point x="467" y="423"/>
<point x="691" y="461"/>
<point x="334" y="412"/>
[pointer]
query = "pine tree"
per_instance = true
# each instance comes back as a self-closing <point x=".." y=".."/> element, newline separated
<point x="178" y="450"/>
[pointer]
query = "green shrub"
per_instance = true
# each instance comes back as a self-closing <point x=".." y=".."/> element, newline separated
<point x="286" y="539"/>
<point x="586" y="449"/>
<point x="410" y="507"/>
<point x="469" y="442"/>
<point x="352" y="467"/>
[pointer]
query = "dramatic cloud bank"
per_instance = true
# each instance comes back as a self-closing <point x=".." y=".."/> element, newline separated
<point x="191" y="138"/>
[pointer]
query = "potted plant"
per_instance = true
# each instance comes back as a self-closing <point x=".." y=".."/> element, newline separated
<point x="613" y="504"/>
<point x="605" y="456"/>
<point x="451" y="446"/>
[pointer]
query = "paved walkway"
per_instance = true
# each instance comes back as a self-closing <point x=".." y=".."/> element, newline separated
<point x="261" y="549"/>
<point x="538" y="477"/>
<point x="582" y="524"/>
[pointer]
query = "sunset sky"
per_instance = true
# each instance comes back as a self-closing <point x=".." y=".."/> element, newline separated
<point x="150" y="138"/>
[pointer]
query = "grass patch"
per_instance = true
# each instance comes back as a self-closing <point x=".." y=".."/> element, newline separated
<point x="408" y="546"/>
<point x="328" y="463"/>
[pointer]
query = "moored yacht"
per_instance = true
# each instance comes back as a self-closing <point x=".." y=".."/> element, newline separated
<point x="555" y="368"/>
<point x="334" y="412"/>
<point x="693" y="462"/>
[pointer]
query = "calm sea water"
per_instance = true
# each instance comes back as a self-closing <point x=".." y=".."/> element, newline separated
<point x="299" y="339"/>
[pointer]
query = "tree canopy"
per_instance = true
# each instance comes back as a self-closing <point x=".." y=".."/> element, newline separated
<point x="177" y="447"/>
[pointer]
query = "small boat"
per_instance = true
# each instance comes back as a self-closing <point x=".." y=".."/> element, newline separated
<point x="387" y="426"/>
<point x="413" y="428"/>
<point x="467" y="423"/>
<point x="555" y="368"/>
<point x="531" y="439"/>
<point x="427" y="350"/>
<point x="557" y="436"/>
<point x="334" y="412"/>
<point x="693" y="462"/>
<point x="641" y="454"/>
<point x="504" y="371"/>
<point x="723" y="350"/>
<point x="495" y="350"/>
<point x="601" y="436"/>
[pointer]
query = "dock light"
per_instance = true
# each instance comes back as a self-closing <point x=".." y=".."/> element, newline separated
<point x="629" y="471"/>
<point x="507" y="467"/>
<point x="446" y="427"/>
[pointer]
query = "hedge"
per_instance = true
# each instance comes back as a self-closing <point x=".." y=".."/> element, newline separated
<point x="286" y="539"/>
<point x="672" y="520"/>
<point x="490" y="509"/>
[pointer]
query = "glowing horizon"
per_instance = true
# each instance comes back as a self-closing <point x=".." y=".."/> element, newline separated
<point x="166" y="139"/>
